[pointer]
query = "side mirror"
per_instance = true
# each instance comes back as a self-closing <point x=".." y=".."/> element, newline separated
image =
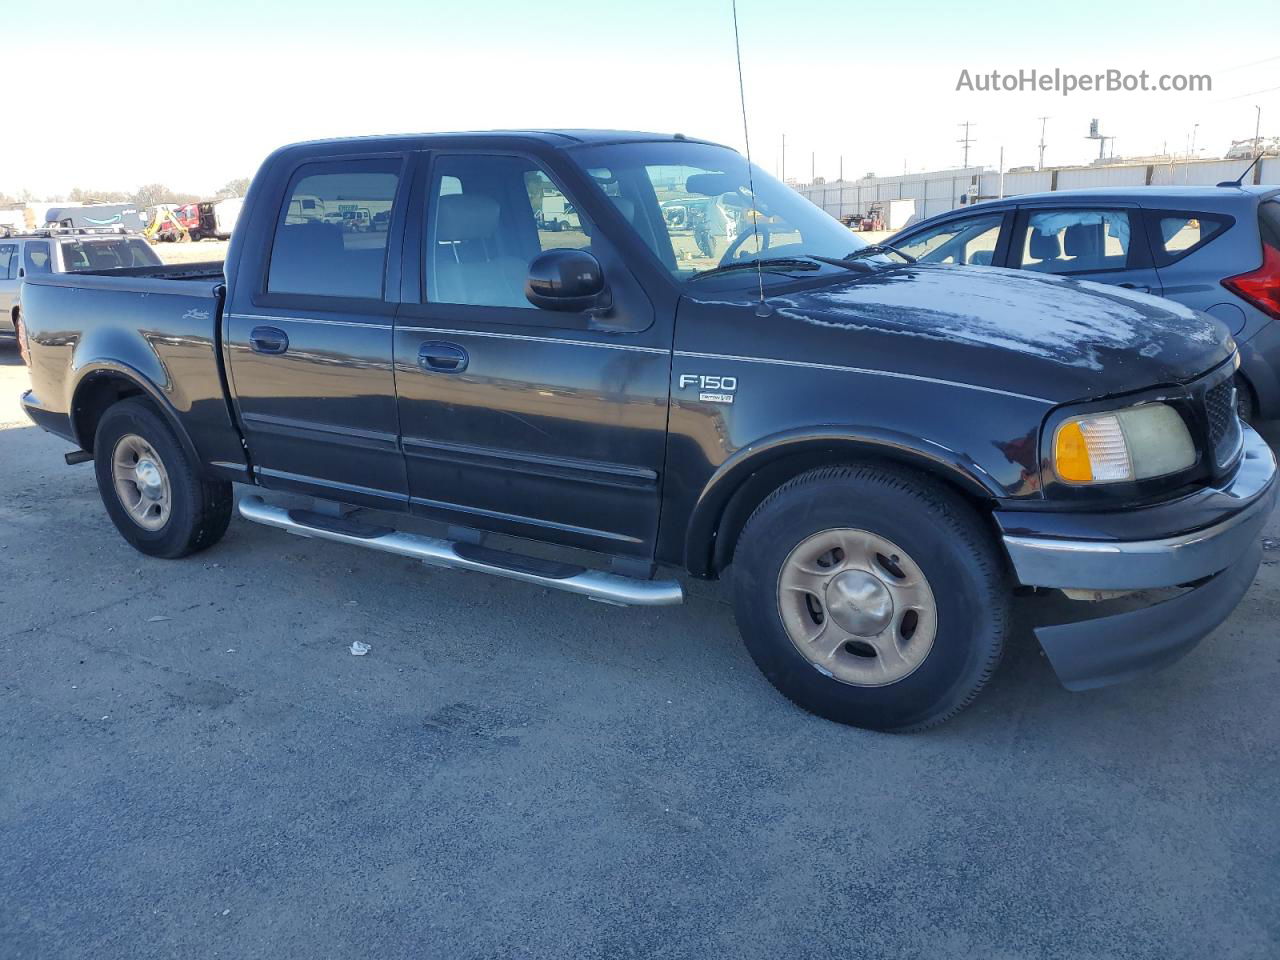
<point x="566" y="280"/>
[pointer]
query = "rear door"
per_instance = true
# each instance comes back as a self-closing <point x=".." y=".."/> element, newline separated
<point x="308" y="334"/>
<point x="1106" y="243"/>
<point x="9" y="260"/>
<point x="518" y="420"/>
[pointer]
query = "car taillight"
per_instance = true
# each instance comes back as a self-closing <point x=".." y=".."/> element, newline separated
<point x="1260" y="287"/>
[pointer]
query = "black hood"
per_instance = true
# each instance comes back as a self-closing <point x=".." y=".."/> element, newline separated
<point x="1050" y="337"/>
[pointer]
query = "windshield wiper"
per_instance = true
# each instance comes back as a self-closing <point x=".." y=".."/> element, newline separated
<point x="771" y="264"/>
<point x="871" y="249"/>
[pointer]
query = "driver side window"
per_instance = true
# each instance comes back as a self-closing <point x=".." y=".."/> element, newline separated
<point x="487" y="218"/>
<point x="970" y="241"/>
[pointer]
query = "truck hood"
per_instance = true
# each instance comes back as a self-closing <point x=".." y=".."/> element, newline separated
<point x="1048" y="337"/>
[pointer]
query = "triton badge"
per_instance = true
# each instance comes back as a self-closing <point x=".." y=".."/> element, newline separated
<point x="710" y="389"/>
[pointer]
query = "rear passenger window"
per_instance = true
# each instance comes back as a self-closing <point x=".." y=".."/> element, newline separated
<point x="1177" y="234"/>
<point x="8" y="261"/>
<point x="331" y="240"/>
<point x="1076" y="241"/>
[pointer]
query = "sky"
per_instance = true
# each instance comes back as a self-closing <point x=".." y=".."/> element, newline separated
<point x="192" y="95"/>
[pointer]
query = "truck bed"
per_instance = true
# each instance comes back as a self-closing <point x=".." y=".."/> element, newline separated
<point x="154" y="327"/>
<point x="204" y="270"/>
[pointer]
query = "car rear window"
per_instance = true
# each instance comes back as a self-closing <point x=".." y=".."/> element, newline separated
<point x="1175" y="235"/>
<point x="113" y="254"/>
<point x="1269" y="223"/>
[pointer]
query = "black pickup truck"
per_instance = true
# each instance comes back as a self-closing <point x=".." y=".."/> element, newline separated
<point x="880" y="453"/>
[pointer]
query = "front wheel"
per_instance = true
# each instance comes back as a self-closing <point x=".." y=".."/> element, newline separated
<point x="871" y="596"/>
<point x="152" y="489"/>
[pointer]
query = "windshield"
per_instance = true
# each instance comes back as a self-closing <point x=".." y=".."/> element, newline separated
<point x="692" y="205"/>
<point x="107" y="254"/>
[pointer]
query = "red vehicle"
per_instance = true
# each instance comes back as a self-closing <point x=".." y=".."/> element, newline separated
<point x="189" y="216"/>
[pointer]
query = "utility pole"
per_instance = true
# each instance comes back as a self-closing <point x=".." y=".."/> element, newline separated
<point x="783" y="178"/>
<point x="1001" y="197"/>
<point x="1043" y="121"/>
<point x="966" y="140"/>
<point x="1191" y="152"/>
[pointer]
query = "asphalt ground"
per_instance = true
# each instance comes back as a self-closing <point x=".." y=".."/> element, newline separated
<point x="193" y="764"/>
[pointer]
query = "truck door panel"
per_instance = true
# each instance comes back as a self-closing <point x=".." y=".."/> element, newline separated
<point x="516" y="419"/>
<point x="310" y="355"/>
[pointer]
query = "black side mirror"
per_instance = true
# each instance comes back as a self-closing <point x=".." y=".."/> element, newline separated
<point x="566" y="280"/>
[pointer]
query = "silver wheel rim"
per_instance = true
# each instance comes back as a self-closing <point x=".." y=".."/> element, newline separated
<point x="141" y="482"/>
<point x="857" y="607"/>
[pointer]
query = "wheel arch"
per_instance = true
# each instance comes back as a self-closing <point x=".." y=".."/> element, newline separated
<point x="101" y="385"/>
<point x="744" y="480"/>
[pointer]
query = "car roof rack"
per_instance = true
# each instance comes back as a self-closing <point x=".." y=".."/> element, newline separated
<point x="65" y="232"/>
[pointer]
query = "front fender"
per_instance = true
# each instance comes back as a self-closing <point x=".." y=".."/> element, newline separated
<point x="773" y="459"/>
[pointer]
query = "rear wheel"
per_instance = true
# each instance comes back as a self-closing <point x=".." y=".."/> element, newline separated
<point x="871" y="596"/>
<point x="152" y="488"/>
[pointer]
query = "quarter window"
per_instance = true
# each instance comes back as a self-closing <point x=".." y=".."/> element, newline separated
<point x="489" y="216"/>
<point x="1177" y="234"/>
<point x="971" y="241"/>
<point x="35" y="257"/>
<point x="1076" y="241"/>
<point x="8" y="261"/>
<point x="331" y="240"/>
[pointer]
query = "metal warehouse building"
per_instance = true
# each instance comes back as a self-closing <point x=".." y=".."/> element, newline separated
<point x="942" y="190"/>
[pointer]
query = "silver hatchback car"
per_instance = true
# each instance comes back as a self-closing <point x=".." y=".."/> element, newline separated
<point x="1216" y="249"/>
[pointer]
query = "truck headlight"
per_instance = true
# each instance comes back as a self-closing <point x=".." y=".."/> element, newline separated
<point x="1136" y="443"/>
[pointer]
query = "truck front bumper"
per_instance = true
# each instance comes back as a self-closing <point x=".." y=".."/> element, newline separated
<point x="1218" y="561"/>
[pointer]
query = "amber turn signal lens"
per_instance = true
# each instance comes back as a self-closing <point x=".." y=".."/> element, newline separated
<point x="1071" y="454"/>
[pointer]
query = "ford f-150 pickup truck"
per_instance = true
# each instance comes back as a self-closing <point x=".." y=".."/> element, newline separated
<point x="878" y="453"/>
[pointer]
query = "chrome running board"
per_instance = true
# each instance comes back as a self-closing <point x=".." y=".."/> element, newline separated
<point x="593" y="584"/>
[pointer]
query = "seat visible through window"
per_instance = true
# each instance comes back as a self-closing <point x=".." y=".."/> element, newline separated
<point x="489" y="216"/>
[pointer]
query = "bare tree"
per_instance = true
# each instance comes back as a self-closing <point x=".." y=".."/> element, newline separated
<point x="234" y="188"/>
<point x="150" y="194"/>
<point x="81" y="195"/>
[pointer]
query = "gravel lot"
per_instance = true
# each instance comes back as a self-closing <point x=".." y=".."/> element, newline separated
<point x="194" y="765"/>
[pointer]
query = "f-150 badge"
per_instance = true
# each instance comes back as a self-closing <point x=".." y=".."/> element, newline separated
<point x="710" y="389"/>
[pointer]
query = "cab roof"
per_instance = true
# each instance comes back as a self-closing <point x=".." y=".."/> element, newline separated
<point x="552" y="138"/>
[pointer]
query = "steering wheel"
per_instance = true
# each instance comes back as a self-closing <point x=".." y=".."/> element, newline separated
<point x="761" y="228"/>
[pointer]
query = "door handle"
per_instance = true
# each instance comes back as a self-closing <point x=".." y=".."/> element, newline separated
<point x="435" y="356"/>
<point x="1140" y="287"/>
<point x="268" y="340"/>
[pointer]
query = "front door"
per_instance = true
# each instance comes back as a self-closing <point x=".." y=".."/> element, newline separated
<point x="529" y="422"/>
<point x="1104" y="244"/>
<point x="309" y="342"/>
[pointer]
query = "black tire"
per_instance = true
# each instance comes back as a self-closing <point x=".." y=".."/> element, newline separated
<point x="200" y="508"/>
<point x="947" y="540"/>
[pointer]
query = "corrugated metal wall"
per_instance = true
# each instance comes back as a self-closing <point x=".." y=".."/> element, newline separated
<point x="939" y="191"/>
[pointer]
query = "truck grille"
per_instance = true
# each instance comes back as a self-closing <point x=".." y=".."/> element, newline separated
<point x="1225" y="436"/>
